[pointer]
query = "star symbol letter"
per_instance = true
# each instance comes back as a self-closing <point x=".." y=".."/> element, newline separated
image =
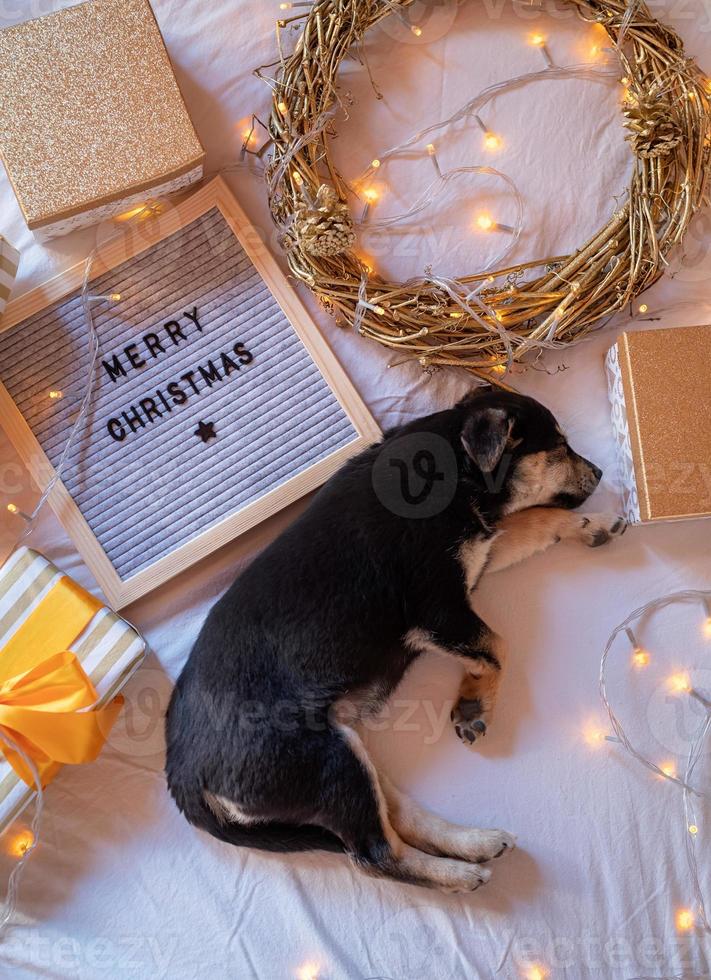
<point x="206" y="431"/>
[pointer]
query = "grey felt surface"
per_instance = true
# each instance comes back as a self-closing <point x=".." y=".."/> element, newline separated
<point x="161" y="485"/>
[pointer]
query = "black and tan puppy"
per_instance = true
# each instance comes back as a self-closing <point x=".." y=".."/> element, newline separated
<point x="382" y="566"/>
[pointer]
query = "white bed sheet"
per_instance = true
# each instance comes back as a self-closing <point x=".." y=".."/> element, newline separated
<point x="121" y="886"/>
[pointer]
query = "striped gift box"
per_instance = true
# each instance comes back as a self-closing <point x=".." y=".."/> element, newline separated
<point x="109" y="650"/>
<point x="9" y="261"/>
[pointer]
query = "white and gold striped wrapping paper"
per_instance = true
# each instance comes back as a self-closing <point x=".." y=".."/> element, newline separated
<point x="109" y="649"/>
<point x="9" y="261"/>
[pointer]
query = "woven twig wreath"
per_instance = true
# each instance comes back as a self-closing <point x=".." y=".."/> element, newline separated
<point x="550" y="301"/>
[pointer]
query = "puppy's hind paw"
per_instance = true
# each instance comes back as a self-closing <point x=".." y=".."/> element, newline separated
<point x="468" y="879"/>
<point x="485" y="845"/>
<point x="598" y="529"/>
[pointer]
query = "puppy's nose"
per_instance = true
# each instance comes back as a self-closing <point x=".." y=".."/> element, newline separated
<point x="597" y="472"/>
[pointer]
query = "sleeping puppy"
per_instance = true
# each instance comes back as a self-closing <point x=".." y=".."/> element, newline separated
<point x="261" y="748"/>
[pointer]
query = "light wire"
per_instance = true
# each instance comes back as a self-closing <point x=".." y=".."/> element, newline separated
<point x="696" y="746"/>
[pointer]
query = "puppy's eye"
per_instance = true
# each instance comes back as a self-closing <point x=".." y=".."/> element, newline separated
<point x="559" y="453"/>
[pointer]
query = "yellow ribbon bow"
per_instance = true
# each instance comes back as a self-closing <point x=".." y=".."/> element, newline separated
<point x="44" y="704"/>
<point x="41" y="711"/>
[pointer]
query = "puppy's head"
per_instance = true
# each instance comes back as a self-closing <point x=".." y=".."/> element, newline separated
<point x="519" y="450"/>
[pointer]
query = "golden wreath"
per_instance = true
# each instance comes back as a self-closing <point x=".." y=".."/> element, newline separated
<point x="488" y="320"/>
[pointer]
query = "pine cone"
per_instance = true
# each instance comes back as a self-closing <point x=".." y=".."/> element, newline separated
<point x="324" y="228"/>
<point x="654" y="132"/>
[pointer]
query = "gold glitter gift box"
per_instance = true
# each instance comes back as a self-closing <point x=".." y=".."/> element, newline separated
<point x="92" y="122"/>
<point x="660" y="389"/>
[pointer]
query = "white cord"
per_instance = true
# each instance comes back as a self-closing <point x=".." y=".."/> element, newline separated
<point x="13" y="882"/>
<point x="473" y="106"/>
<point x="86" y="300"/>
<point x="696" y="746"/>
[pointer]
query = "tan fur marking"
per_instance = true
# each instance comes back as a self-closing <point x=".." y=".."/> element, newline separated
<point x="473" y="557"/>
<point x="421" y="641"/>
<point x="531" y="531"/>
<point x="539" y="477"/>
<point x="528" y="532"/>
<point x="351" y="736"/>
<point x="428" y="832"/>
<point x="444" y="873"/>
<point x="483" y="687"/>
<point x="228" y="812"/>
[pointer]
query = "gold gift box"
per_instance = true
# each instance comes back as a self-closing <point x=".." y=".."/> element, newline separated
<point x="660" y="389"/>
<point x="92" y="122"/>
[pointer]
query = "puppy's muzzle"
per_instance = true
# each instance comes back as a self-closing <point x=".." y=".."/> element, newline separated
<point x="591" y="477"/>
<point x="584" y="478"/>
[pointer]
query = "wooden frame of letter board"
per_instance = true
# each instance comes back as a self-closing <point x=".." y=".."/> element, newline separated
<point x="120" y="592"/>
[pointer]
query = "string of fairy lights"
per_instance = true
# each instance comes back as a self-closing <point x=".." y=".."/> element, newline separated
<point x="369" y="189"/>
<point x="23" y="843"/>
<point x="88" y="303"/>
<point x="680" y="684"/>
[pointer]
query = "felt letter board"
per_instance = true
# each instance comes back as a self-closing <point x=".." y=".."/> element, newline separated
<point x="216" y="401"/>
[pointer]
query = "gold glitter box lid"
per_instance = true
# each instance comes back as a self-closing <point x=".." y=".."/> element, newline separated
<point x="660" y="388"/>
<point x="90" y="111"/>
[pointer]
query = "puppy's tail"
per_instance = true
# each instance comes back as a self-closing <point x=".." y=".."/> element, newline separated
<point x="264" y="836"/>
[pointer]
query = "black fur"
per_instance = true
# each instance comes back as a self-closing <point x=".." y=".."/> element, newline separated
<point x="319" y="616"/>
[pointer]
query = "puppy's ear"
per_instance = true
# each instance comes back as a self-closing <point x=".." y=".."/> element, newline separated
<point x="485" y="436"/>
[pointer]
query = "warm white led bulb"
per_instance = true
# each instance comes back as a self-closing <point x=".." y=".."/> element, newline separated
<point x="21" y="843"/>
<point x="536" y="972"/>
<point x="684" y="920"/>
<point x="680" y="683"/>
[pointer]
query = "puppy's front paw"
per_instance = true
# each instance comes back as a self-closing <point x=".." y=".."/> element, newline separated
<point x="469" y="719"/>
<point x="597" y="529"/>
